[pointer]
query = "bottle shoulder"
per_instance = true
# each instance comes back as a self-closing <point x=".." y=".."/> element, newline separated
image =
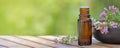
<point x="83" y="20"/>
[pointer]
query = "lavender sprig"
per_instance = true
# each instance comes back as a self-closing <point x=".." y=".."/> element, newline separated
<point x="66" y="39"/>
<point x="108" y="18"/>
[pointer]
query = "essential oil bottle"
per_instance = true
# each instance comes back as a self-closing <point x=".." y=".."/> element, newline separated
<point x="84" y="27"/>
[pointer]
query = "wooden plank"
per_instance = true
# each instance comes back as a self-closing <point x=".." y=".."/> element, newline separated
<point x="35" y="40"/>
<point x="65" y="46"/>
<point x="38" y="41"/>
<point x="58" y="45"/>
<point x="44" y="42"/>
<point x="41" y="45"/>
<point x="8" y="44"/>
<point x="3" y="46"/>
<point x="51" y="38"/>
<point x="23" y="42"/>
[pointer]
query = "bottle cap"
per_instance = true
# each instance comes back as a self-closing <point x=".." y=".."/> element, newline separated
<point x="84" y="6"/>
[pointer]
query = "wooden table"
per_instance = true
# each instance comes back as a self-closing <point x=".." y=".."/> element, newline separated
<point x="45" y="42"/>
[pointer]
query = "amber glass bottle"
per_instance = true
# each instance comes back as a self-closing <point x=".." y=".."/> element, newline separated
<point x="84" y="27"/>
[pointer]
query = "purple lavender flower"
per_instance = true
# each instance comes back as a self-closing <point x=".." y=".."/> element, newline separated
<point x="113" y="24"/>
<point x="110" y="7"/>
<point x="98" y="25"/>
<point x="105" y="30"/>
<point x="105" y="10"/>
<point x="102" y="30"/>
<point x="115" y="10"/>
<point x="102" y="14"/>
<point x="102" y="26"/>
<point x="103" y="18"/>
<point x="99" y="28"/>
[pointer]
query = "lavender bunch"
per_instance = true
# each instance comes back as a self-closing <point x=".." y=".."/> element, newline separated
<point x="108" y="18"/>
<point x="66" y="39"/>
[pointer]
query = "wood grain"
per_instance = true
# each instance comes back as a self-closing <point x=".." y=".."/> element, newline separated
<point x="46" y="42"/>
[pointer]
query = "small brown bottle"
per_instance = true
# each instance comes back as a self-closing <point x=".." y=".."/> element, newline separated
<point x="84" y="27"/>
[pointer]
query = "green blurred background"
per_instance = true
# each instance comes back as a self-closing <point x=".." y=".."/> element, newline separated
<point x="46" y="17"/>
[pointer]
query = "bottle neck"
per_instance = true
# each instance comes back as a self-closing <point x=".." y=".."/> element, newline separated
<point x="84" y="16"/>
<point x="84" y="13"/>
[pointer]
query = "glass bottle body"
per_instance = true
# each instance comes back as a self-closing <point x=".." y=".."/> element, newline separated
<point x="84" y="27"/>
